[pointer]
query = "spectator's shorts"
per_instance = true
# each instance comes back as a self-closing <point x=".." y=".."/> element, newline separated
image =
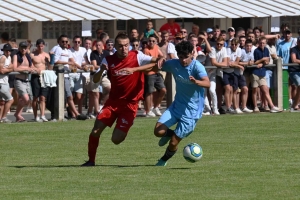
<point x="22" y="87"/>
<point x="229" y="79"/>
<point x="295" y="77"/>
<point x="11" y="81"/>
<point x="79" y="85"/>
<point x="240" y="80"/>
<point x="269" y="78"/>
<point x="4" y="92"/>
<point x="258" y="81"/>
<point x="152" y="82"/>
<point x="37" y="90"/>
<point x="91" y="86"/>
<point x="68" y="92"/>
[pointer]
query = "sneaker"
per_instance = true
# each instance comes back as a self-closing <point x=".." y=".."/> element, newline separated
<point x="246" y="110"/>
<point x="53" y="120"/>
<point x="163" y="141"/>
<point x="222" y="111"/>
<point x="230" y="110"/>
<point x="294" y="110"/>
<point x="5" y="120"/>
<point x="157" y="112"/>
<point x="81" y="117"/>
<point x="267" y="109"/>
<point x="29" y="110"/>
<point x="161" y="163"/>
<point x="238" y="111"/>
<point x="290" y="102"/>
<point x="88" y="164"/>
<point x="150" y="114"/>
<point x="256" y="110"/>
<point x="38" y="120"/>
<point x="100" y="107"/>
<point x="206" y="113"/>
<point x="275" y="110"/>
<point x="44" y="119"/>
<point x="90" y="116"/>
<point x="216" y="112"/>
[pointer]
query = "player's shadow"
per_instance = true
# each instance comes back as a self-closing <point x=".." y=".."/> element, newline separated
<point x="70" y="166"/>
<point x="180" y="168"/>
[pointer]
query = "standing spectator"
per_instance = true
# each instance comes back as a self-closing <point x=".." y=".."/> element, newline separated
<point x="6" y="99"/>
<point x="98" y="33"/>
<point x="153" y="81"/>
<point x="78" y="53"/>
<point x="136" y="45"/>
<point x="149" y="31"/>
<point x="219" y="58"/>
<point x="194" y="41"/>
<point x="109" y="47"/>
<point x="166" y="47"/>
<point x="258" y="77"/>
<point x="102" y="37"/>
<point x="87" y="46"/>
<point x="40" y="60"/>
<point x="63" y="56"/>
<point x="210" y="33"/>
<point x="294" y="73"/>
<point x="184" y="34"/>
<point x="240" y="32"/>
<point x="178" y="38"/>
<point x="242" y="40"/>
<point x="172" y="27"/>
<point x="257" y="32"/>
<point x="22" y="63"/>
<point x="195" y="29"/>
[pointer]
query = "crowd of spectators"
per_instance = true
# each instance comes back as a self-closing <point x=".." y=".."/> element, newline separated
<point x="234" y="88"/>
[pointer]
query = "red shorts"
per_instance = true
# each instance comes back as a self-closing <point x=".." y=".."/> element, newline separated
<point x="121" y="110"/>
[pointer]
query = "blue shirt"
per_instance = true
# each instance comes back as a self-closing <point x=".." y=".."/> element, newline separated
<point x="283" y="51"/>
<point x="189" y="98"/>
<point x="295" y="50"/>
<point x="259" y="54"/>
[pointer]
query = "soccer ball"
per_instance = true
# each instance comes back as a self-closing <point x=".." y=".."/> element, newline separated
<point x="192" y="152"/>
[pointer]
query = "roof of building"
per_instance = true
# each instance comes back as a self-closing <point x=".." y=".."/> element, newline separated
<point x="59" y="10"/>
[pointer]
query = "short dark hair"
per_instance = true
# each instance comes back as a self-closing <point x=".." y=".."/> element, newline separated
<point x="103" y="35"/>
<point x="134" y="40"/>
<point x="248" y="41"/>
<point x="40" y="41"/>
<point x="88" y="38"/>
<point x="240" y="29"/>
<point x="216" y="27"/>
<point x="61" y="36"/>
<point x="5" y="36"/>
<point x="76" y="36"/>
<point x="154" y="36"/>
<point x="184" y="48"/>
<point x="223" y="32"/>
<point x="242" y="36"/>
<point x="256" y="28"/>
<point x="12" y="40"/>
<point x="122" y="36"/>
<point x="201" y="33"/>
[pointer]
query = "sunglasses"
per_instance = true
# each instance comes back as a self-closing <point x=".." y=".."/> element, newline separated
<point x="151" y="41"/>
<point x="178" y="38"/>
<point x="136" y="45"/>
<point x="64" y="41"/>
<point x="77" y="42"/>
<point x="110" y="45"/>
<point x="183" y="31"/>
<point x="233" y="44"/>
<point x="220" y="44"/>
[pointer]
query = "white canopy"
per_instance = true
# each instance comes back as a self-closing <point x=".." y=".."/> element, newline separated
<point x="58" y="10"/>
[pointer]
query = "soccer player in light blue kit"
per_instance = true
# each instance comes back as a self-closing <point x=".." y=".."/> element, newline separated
<point x="191" y="79"/>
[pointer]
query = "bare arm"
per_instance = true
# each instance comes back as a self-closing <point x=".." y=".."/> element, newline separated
<point x="203" y="82"/>
<point x="160" y="54"/>
<point x="142" y="36"/>
<point x="94" y="63"/>
<point x="172" y="55"/>
<point x="157" y="35"/>
<point x="223" y="64"/>
<point x="294" y="59"/>
<point x="20" y="68"/>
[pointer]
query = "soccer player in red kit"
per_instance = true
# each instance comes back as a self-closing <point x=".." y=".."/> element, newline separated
<point x="125" y="70"/>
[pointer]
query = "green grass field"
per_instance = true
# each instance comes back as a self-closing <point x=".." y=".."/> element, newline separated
<point x="252" y="156"/>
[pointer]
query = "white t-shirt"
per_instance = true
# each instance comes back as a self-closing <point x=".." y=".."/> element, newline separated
<point x="247" y="56"/>
<point x="233" y="55"/>
<point x="4" y="77"/>
<point x="1" y="47"/>
<point x="272" y="50"/>
<point x="63" y="55"/>
<point x="142" y="59"/>
<point x="54" y="48"/>
<point x="219" y="56"/>
<point x="78" y="55"/>
<point x="171" y="49"/>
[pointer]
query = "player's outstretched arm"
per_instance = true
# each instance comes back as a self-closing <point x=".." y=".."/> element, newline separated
<point x="98" y="74"/>
<point x="203" y="82"/>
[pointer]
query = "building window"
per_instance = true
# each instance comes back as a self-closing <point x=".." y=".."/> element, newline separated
<point x="14" y="29"/>
<point x="52" y="30"/>
<point x="293" y="22"/>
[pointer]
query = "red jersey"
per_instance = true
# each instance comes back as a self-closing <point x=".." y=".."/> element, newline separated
<point x="129" y="87"/>
<point x="171" y="29"/>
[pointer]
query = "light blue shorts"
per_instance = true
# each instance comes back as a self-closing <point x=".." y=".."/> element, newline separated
<point x="185" y="126"/>
<point x="269" y="78"/>
<point x="295" y="77"/>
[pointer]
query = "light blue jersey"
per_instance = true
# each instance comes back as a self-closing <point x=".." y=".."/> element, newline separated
<point x="283" y="50"/>
<point x="189" y="99"/>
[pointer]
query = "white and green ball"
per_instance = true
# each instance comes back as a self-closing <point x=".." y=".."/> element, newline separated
<point x="192" y="152"/>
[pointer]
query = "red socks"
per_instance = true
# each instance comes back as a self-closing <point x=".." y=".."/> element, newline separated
<point x="92" y="147"/>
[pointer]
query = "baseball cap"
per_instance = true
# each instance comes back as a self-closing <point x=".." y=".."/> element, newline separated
<point x="23" y="44"/>
<point x="231" y="29"/>
<point x="178" y="35"/>
<point x="109" y="41"/>
<point x="209" y="30"/>
<point x="7" y="47"/>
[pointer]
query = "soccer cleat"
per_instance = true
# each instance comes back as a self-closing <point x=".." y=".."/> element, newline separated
<point x="163" y="141"/>
<point x="161" y="163"/>
<point x="88" y="164"/>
